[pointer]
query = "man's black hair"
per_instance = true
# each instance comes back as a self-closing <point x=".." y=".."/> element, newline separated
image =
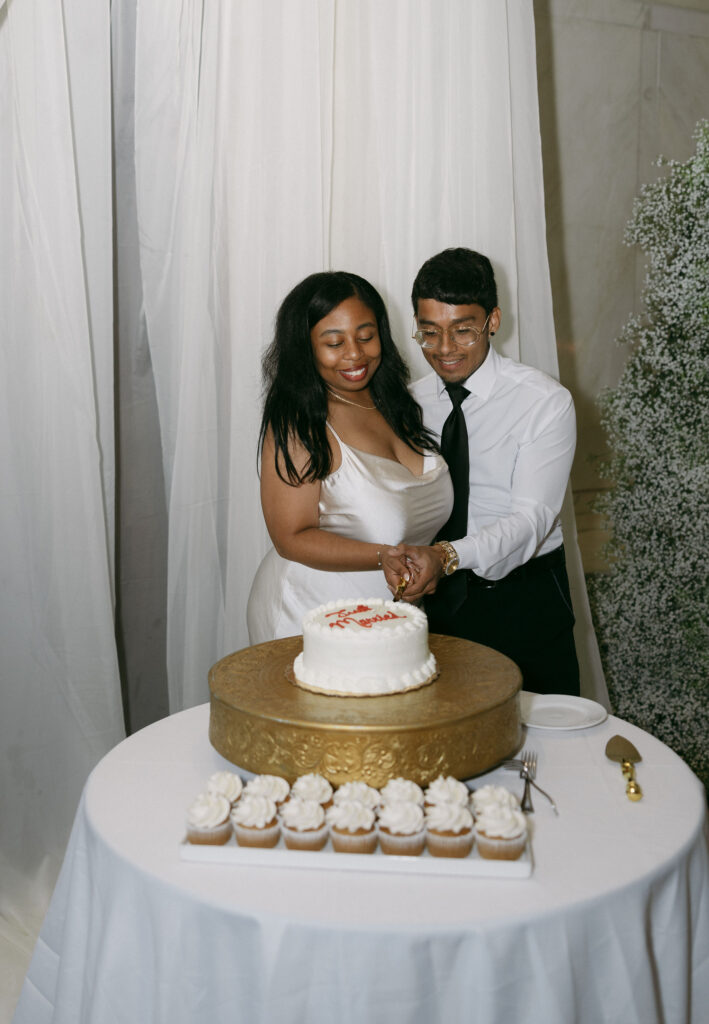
<point x="456" y="277"/>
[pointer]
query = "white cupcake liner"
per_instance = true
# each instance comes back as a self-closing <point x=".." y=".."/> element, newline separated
<point x="458" y="845"/>
<point x="401" y="845"/>
<point x="216" y="835"/>
<point x="305" y="839"/>
<point x="246" y="836"/>
<point x="353" y="842"/>
<point x="496" y="848"/>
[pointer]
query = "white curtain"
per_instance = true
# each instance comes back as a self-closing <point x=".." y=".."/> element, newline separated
<point x="255" y="141"/>
<point x="274" y="139"/>
<point x="59" y="686"/>
<point x="232" y="151"/>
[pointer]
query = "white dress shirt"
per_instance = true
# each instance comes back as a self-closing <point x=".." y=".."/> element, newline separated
<point x="521" y="435"/>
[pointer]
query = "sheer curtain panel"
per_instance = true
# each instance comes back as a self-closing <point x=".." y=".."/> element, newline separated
<point x="232" y="155"/>
<point x="61" y="704"/>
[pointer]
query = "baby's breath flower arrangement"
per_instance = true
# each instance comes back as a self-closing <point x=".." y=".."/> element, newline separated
<point x="651" y="608"/>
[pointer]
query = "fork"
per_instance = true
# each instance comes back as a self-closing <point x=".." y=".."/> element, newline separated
<point x="526" y="764"/>
<point x="531" y="774"/>
<point x="527" y="772"/>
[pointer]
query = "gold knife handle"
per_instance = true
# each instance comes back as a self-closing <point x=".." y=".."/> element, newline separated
<point x="632" y="789"/>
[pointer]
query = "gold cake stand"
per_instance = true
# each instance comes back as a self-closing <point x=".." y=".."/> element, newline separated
<point x="462" y="724"/>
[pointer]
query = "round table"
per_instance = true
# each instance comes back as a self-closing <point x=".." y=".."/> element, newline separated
<point x="612" y="925"/>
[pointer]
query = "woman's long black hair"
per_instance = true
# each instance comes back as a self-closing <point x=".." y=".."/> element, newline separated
<point x="296" y="397"/>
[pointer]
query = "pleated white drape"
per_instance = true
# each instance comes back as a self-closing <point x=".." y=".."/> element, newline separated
<point x="256" y="141"/>
<point x="232" y="152"/>
<point x="59" y="686"/>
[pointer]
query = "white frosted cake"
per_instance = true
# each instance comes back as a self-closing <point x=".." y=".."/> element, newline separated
<point x="364" y="648"/>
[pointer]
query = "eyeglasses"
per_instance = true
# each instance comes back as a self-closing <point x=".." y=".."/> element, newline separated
<point x="463" y="335"/>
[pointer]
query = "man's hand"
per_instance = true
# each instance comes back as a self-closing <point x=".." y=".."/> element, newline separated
<point x="422" y="564"/>
<point x="395" y="567"/>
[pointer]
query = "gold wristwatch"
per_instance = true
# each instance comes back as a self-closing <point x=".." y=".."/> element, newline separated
<point x="449" y="557"/>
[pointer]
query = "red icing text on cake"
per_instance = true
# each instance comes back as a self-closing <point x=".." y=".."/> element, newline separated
<point x="345" y="617"/>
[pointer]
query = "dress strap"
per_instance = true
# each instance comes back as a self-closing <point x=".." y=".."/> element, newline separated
<point x="333" y="431"/>
<point x="344" y="448"/>
<point x="343" y="444"/>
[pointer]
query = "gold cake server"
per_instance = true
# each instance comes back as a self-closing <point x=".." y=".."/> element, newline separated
<point x="403" y="584"/>
<point x="621" y="750"/>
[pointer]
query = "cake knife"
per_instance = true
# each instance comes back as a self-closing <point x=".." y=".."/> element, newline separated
<point x="622" y="750"/>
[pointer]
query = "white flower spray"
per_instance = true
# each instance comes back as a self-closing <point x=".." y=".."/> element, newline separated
<point x="651" y="609"/>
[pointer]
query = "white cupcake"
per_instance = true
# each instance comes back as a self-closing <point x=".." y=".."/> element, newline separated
<point x="492" y="796"/>
<point x="401" y="789"/>
<point x="449" y="830"/>
<point x="501" y="833"/>
<point x="208" y="822"/>
<point x="272" y="786"/>
<point x="352" y="827"/>
<point x="303" y="824"/>
<point x="313" y="787"/>
<point x="255" y="821"/>
<point x="401" y="828"/>
<point x="226" y="784"/>
<point x="367" y="795"/>
<point x="446" y="790"/>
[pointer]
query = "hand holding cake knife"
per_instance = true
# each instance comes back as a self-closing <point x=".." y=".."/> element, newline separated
<point x="404" y="581"/>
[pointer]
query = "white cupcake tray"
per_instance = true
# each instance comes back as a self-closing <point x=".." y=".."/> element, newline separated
<point x="326" y="859"/>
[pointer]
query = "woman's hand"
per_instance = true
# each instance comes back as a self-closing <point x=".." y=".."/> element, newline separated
<point x="424" y="566"/>
<point x="396" y="567"/>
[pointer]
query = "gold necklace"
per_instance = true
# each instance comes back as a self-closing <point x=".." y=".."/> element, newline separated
<point x="334" y="394"/>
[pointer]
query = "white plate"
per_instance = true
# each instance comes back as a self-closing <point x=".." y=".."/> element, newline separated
<point x="560" y="711"/>
<point x="327" y="860"/>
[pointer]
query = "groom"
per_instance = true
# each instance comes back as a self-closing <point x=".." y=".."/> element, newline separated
<point x="508" y="433"/>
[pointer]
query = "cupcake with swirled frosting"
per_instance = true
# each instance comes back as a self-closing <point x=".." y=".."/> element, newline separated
<point x="352" y="827"/>
<point x="313" y="787"/>
<point x="208" y="822"/>
<point x="492" y="796"/>
<point x="401" y="828"/>
<point x="501" y="833"/>
<point x="446" y="790"/>
<point x="449" y="830"/>
<point x="226" y="784"/>
<point x="303" y="824"/>
<point x="271" y="786"/>
<point x="255" y="821"/>
<point x="360" y="791"/>
<point x="401" y="789"/>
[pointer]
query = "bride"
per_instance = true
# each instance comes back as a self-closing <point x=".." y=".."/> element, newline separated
<point x="348" y="471"/>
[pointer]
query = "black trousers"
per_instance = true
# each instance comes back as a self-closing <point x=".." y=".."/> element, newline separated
<point x="527" y="616"/>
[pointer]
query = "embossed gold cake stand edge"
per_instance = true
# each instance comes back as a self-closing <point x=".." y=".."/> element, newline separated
<point x="463" y="723"/>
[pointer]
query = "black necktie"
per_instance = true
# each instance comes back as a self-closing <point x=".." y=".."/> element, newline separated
<point x="454" y="447"/>
<point x="452" y="591"/>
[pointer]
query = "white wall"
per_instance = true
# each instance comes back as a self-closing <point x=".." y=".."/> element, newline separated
<point x="620" y="83"/>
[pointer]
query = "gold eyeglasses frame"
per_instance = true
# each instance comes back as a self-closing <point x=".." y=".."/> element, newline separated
<point x="418" y="335"/>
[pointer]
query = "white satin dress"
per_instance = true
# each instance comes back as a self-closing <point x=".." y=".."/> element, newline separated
<point x="369" y="498"/>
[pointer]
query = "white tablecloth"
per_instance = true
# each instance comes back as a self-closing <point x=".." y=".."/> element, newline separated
<point x="612" y="926"/>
